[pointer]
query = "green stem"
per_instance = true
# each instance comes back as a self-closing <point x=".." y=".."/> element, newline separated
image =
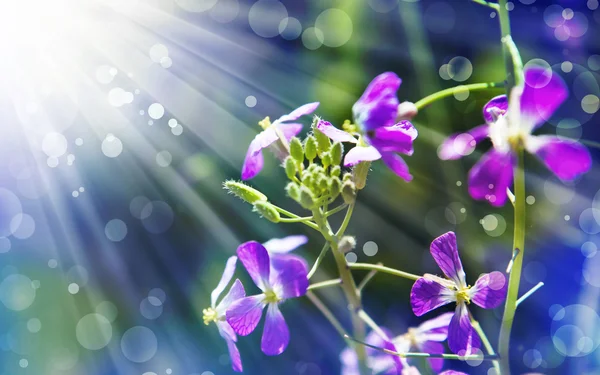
<point x="294" y="216"/>
<point x="456" y="90"/>
<point x="346" y="221"/>
<point x="319" y="260"/>
<point x="324" y="284"/>
<point x="371" y="323"/>
<point x="486" y="343"/>
<point x="486" y="3"/>
<point x="515" y="272"/>
<point x="295" y="220"/>
<point x="380" y="268"/>
<point x="327" y="313"/>
<point x="335" y="210"/>
<point x="366" y="280"/>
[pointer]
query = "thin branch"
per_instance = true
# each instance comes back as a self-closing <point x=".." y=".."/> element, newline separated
<point x="328" y="314"/>
<point x="319" y="260"/>
<point x="294" y="216"/>
<point x="528" y="294"/>
<point x="486" y="342"/>
<point x="371" y="323"/>
<point x="335" y="210"/>
<point x="456" y="90"/>
<point x="391" y="271"/>
<point x="324" y="284"/>
<point x="296" y="220"/>
<point x="367" y="278"/>
<point x="487" y="4"/>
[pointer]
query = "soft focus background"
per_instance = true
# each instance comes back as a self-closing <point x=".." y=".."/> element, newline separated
<point x="119" y="120"/>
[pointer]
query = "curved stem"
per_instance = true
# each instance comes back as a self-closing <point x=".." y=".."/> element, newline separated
<point x="380" y="268"/>
<point x="294" y="216"/>
<point x="319" y="260"/>
<point x="455" y="90"/>
<point x="335" y="210"/>
<point x="346" y="221"/>
<point x="296" y="220"/>
<point x="486" y="3"/>
<point x="327" y="313"/>
<point x="324" y="284"/>
<point x="486" y="343"/>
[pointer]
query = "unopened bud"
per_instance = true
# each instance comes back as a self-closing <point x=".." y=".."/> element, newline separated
<point x="336" y="171"/>
<point x="349" y="192"/>
<point x="323" y="143"/>
<point x="268" y="211"/>
<point x="322" y="183"/>
<point x="293" y="191"/>
<point x="310" y="148"/>
<point x="337" y="150"/>
<point x="347" y="244"/>
<point x="406" y="111"/>
<point x="347" y="177"/>
<point x="306" y="198"/>
<point x="326" y="159"/>
<point x="290" y="168"/>
<point x="360" y="172"/>
<point x="244" y="192"/>
<point x="296" y="150"/>
<point x="335" y="187"/>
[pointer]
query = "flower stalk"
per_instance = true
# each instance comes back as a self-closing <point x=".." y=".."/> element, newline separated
<point x="456" y="90"/>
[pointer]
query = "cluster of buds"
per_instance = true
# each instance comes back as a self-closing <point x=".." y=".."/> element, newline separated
<point x="258" y="200"/>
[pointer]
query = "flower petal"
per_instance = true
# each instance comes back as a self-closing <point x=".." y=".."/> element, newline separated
<point x="276" y="334"/>
<point x="462" y="338"/>
<point x="334" y="133"/>
<point x="543" y="93"/>
<point x="290" y="279"/>
<point x="568" y="160"/>
<point x="494" y="108"/>
<point x="378" y="106"/>
<point x="427" y="295"/>
<point x="433" y="347"/>
<point x="452" y="372"/>
<point x="255" y="258"/>
<point x="358" y="154"/>
<point x="462" y="144"/>
<point x="244" y="314"/>
<point x="290" y="130"/>
<point x="225" y="279"/>
<point x="444" y="251"/>
<point x="397" y="165"/>
<point x="435" y="329"/>
<point x="285" y="245"/>
<point x="491" y="176"/>
<point x="489" y="290"/>
<point x="226" y="331"/>
<point x="397" y="138"/>
<point x="234" y="355"/>
<point x="349" y="361"/>
<point x="406" y="111"/>
<point x="253" y="164"/>
<point x="306" y="109"/>
<point x="236" y="292"/>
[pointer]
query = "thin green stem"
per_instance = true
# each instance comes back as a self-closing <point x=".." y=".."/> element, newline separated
<point x="371" y="323"/>
<point x="517" y="264"/>
<point x="456" y="90"/>
<point x="380" y="268"/>
<point x="295" y="220"/>
<point x="324" y="284"/>
<point x="486" y="343"/>
<point x="335" y="210"/>
<point x="319" y="260"/>
<point x="366" y="279"/>
<point x="346" y="221"/>
<point x="294" y="216"/>
<point x="486" y="3"/>
<point x="327" y="314"/>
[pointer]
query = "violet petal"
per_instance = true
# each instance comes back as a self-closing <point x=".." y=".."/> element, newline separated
<point x="433" y="347"/>
<point x="452" y="372"/>
<point x="435" y="329"/>
<point x="444" y="251"/>
<point x="255" y="258"/>
<point x="290" y="130"/>
<point x="334" y="133"/>
<point x="253" y="164"/>
<point x="566" y="159"/>
<point x="285" y="245"/>
<point x="543" y="93"/>
<point x="461" y="144"/>
<point x="378" y="106"/>
<point x="290" y="279"/>
<point x="396" y="138"/>
<point x="236" y="292"/>
<point x="489" y="290"/>
<point x="494" y="108"/>
<point x="397" y="165"/>
<point x="276" y="334"/>
<point x="427" y="295"/>
<point x="491" y="176"/>
<point x="359" y="154"/>
<point x="234" y="355"/>
<point x="462" y="338"/>
<point x="226" y="331"/>
<point x="306" y="109"/>
<point x="244" y="314"/>
<point x="225" y="279"/>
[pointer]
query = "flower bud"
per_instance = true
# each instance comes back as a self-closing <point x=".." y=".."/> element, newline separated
<point x="359" y="174"/>
<point x="336" y="171"/>
<point x="326" y="159"/>
<point x="268" y="211"/>
<point x="347" y="177"/>
<point x="349" y="192"/>
<point x="406" y="111"/>
<point x="323" y="143"/>
<point x="293" y="191"/>
<point x="244" y="192"/>
<point x="335" y="187"/>
<point x="336" y="153"/>
<point x="322" y="183"/>
<point x="290" y="168"/>
<point x="306" y="198"/>
<point x="347" y="244"/>
<point x="311" y="148"/>
<point x="296" y="150"/>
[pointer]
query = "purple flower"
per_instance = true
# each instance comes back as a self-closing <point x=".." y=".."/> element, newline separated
<point x="378" y="105"/>
<point x="280" y="248"/>
<point x="430" y="292"/>
<point x="426" y="338"/>
<point x="382" y="143"/>
<point x="279" y="279"/>
<point x="254" y="159"/>
<point x="377" y="361"/>
<point x="452" y="372"/>
<point x="216" y="312"/>
<point x="509" y="125"/>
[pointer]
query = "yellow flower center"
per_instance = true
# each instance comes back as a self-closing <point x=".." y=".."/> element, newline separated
<point x="271" y="297"/>
<point x="349" y="127"/>
<point x="209" y="315"/>
<point x="462" y="295"/>
<point x="265" y="123"/>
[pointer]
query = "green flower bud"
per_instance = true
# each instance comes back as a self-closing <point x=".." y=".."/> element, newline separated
<point x="348" y="192"/>
<point x="306" y="198"/>
<point x="337" y="150"/>
<point x="323" y="142"/>
<point x="293" y="191"/>
<point x="296" y="150"/>
<point x="244" y="192"/>
<point x="311" y="148"/>
<point x="347" y="244"/>
<point x="326" y="159"/>
<point x="360" y="172"/>
<point x="347" y="177"/>
<point x="335" y="187"/>
<point x="336" y="171"/>
<point x="322" y="183"/>
<point x="290" y="168"/>
<point x="268" y="211"/>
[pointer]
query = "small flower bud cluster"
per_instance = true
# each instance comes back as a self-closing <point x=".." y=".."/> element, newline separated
<point x="258" y="200"/>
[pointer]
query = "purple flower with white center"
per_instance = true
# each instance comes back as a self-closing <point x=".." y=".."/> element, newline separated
<point x="279" y="279"/>
<point x="254" y="161"/>
<point x="430" y="292"/>
<point x="216" y="312"/>
<point x="379" y="362"/>
<point x="383" y="143"/>
<point x="509" y="126"/>
<point x="426" y="338"/>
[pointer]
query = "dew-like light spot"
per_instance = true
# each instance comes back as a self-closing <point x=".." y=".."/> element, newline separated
<point x="590" y="104"/>
<point x="151" y="308"/>
<point x="117" y="97"/>
<point x="172" y="123"/>
<point x="594" y="62"/>
<point x="73" y="288"/>
<point x="166" y="62"/>
<point x="530" y="200"/>
<point x="22" y="226"/>
<point x="23" y="363"/>
<point x="290" y="28"/>
<point x="139" y="344"/>
<point x="382" y="6"/>
<point x="105" y="74"/>
<point x="158" y="294"/>
<point x="443" y="71"/>
<point x="158" y="52"/>
<point x="136" y="206"/>
<point x="177" y="130"/>
<point x="54" y="144"/>
<point x="225" y="11"/>
<point x="78" y="274"/>
<point x="589" y="249"/>
<point x="52" y="263"/>
<point x="494" y="225"/>
<point x="17" y="292"/>
<point x="532" y="358"/>
<point x="587" y="221"/>
<point x="108" y="310"/>
<point x="164" y="158"/>
<point x="157" y="217"/>
<point x="156" y="111"/>
<point x="112" y="146"/>
<point x="196" y="6"/>
<point x="351" y="257"/>
<point x="336" y="26"/>
<point x="455" y="213"/>
<point x="5" y="245"/>
<point x="461" y="93"/>
<point x="34" y="325"/>
<point x="540" y="81"/>
<point x="312" y="38"/>
<point x="115" y="230"/>
<point x="370" y="248"/>
<point x="566" y="66"/>
<point x="553" y="16"/>
<point x="460" y="69"/>
<point x="265" y="16"/>
<point x="93" y="331"/>
<point x="250" y="101"/>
